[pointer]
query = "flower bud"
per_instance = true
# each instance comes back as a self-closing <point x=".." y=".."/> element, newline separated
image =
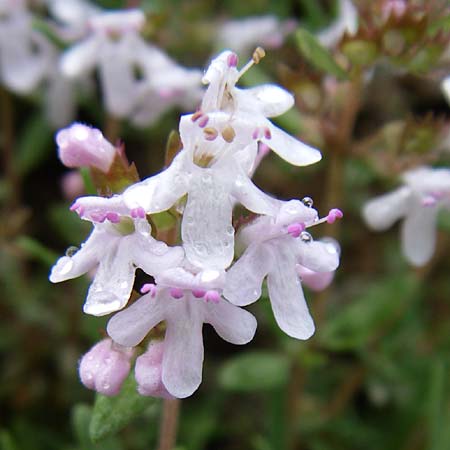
<point x="105" y="366"/>
<point x="148" y="371"/>
<point x="83" y="146"/>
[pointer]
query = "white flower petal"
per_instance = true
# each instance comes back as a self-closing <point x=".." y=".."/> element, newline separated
<point x="246" y="193"/>
<point x="83" y="260"/>
<point x="130" y="326"/>
<point x="150" y="255"/>
<point x="113" y="282"/>
<point x="317" y="256"/>
<point x="290" y="149"/>
<point x="60" y="101"/>
<point x="206" y="230"/>
<point x="419" y="234"/>
<point x="159" y="192"/>
<point x="231" y="323"/>
<point x="287" y="298"/>
<point x="183" y="350"/>
<point x="81" y="58"/>
<point x="268" y="99"/>
<point x="120" y="88"/>
<point x="381" y="212"/>
<point x="347" y="21"/>
<point x="245" y="277"/>
<point x="22" y="68"/>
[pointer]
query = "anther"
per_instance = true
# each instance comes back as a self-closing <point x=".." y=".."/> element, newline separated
<point x="228" y="134"/>
<point x="113" y="217"/>
<point x="196" y="116"/>
<point x="334" y="214"/>
<point x="212" y="296"/>
<point x="210" y="133"/>
<point x="149" y="288"/>
<point x="232" y="60"/>
<point x="258" y="55"/>
<point x="295" y="229"/>
<point x="198" y="293"/>
<point x="203" y="121"/>
<point x="176" y="293"/>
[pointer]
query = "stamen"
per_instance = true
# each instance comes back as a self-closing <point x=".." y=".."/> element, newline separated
<point x="333" y="215"/>
<point x="137" y="213"/>
<point x="232" y="60"/>
<point x="212" y="296"/>
<point x="196" y="116"/>
<point x="267" y="133"/>
<point x="113" y="217"/>
<point x="149" y="288"/>
<point x="98" y="217"/>
<point x="210" y="133"/>
<point x="176" y="293"/>
<point x="295" y="229"/>
<point x="258" y="54"/>
<point x="203" y="121"/>
<point x="198" y="293"/>
<point x="228" y="134"/>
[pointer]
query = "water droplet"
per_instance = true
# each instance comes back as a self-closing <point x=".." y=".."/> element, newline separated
<point x="89" y="376"/>
<point x="189" y="220"/>
<point x="306" y="237"/>
<point x="106" y="386"/>
<point x="308" y="201"/>
<point x="71" y="251"/>
<point x="230" y="230"/>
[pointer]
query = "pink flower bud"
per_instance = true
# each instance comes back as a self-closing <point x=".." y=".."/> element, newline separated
<point x="72" y="185"/>
<point x="148" y="370"/>
<point x="316" y="281"/>
<point x="83" y="146"/>
<point x="105" y="366"/>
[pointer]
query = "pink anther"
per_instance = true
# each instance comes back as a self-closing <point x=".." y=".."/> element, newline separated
<point x="176" y="292"/>
<point x="113" y="217"/>
<point x="149" y="288"/>
<point x="212" y="296"/>
<point x="232" y="60"/>
<point x="334" y="214"/>
<point x="137" y="213"/>
<point x="198" y="293"/>
<point x="295" y="229"/>
<point x="267" y="133"/>
<point x="203" y="121"/>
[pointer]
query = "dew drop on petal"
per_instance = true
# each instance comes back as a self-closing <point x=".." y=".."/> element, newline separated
<point x="305" y="237"/>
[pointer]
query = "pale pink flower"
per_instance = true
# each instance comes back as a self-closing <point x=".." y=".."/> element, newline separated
<point x="276" y="245"/>
<point x="185" y="301"/>
<point x="117" y="246"/>
<point x="105" y="366"/>
<point x="425" y="191"/>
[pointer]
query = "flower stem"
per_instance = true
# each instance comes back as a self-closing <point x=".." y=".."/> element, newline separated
<point x="169" y="424"/>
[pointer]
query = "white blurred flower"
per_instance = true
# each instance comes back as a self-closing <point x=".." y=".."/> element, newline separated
<point x="243" y="35"/>
<point x="425" y="191"/>
<point x="345" y="22"/>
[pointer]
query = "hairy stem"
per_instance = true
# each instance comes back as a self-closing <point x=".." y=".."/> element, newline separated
<point x="169" y="424"/>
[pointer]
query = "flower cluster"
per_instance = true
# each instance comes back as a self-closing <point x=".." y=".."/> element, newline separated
<point x="138" y="80"/>
<point x="199" y="281"/>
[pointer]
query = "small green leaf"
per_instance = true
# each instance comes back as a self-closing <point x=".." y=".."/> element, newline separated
<point x="111" y="414"/>
<point x="6" y="441"/>
<point x="81" y="417"/>
<point x="254" y="371"/>
<point x="318" y="55"/>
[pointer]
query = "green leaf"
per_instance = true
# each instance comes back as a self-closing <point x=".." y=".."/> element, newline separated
<point x="111" y="414"/>
<point x="36" y="250"/>
<point x="35" y="144"/>
<point x="359" y="322"/>
<point x="254" y="371"/>
<point x="318" y="55"/>
<point x="6" y="441"/>
<point x="81" y="417"/>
